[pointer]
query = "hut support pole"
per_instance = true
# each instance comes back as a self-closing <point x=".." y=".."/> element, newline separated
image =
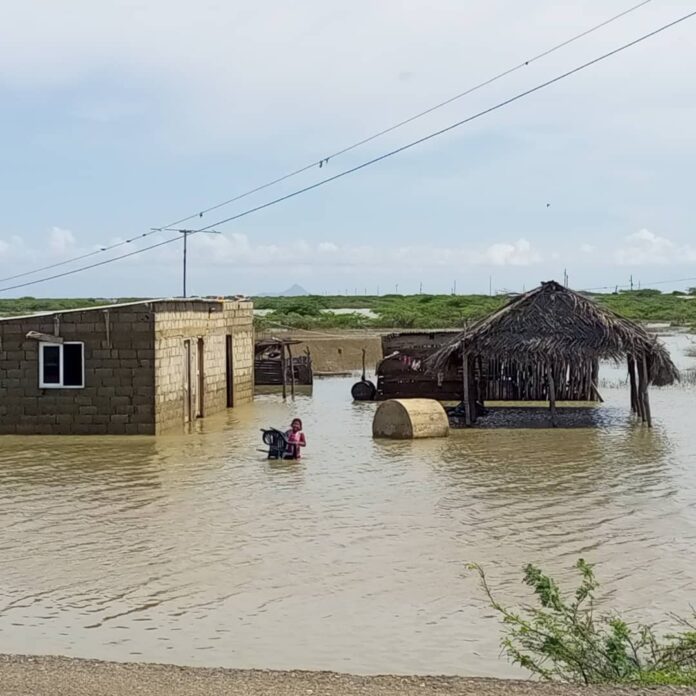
<point x="465" y="381"/>
<point x="632" y="382"/>
<point x="283" y="370"/>
<point x="646" y="396"/>
<point x="639" y="392"/>
<point x="552" y="396"/>
<point x="292" y="372"/>
<point x="640" y="403"/>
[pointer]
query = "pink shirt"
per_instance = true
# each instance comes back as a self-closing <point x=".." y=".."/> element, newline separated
<point x="295" y="441"/>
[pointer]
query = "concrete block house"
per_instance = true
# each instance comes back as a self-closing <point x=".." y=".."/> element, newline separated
<point x="138" y="368"/>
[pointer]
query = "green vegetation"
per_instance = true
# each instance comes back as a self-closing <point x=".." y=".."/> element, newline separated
<point x="399" y="311"/>
<point x="450" y="311"/>
<point x="409" y="312"/>
<point x="651" y="305"/>
<point x="565" y="639"/>
<point x="30" y="305"/>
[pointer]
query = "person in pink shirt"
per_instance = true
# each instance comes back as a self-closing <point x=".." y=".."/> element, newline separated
<point x="296" y="440"/>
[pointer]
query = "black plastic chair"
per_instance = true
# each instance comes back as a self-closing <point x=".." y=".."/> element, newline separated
<point x="278" y="445"/>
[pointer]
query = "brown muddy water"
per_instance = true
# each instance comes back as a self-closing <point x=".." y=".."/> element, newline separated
<point x="194" y="549"/>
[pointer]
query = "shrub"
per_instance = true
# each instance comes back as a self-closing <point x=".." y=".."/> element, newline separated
<point x="566" y="639"/>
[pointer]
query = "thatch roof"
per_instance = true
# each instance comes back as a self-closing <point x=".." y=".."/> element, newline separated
<point x="554" y="324"/>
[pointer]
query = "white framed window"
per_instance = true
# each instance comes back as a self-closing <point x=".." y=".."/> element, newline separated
<point x="62" y="365"/>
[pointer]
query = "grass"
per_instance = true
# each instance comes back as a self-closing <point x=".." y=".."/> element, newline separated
<point x="399" y="311"/>
<point x="670" y="678"/>
<point x="29" y="305"/>
<point x="451" y="311"/>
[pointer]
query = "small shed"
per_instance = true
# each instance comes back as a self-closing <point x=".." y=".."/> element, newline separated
<point x="275" y="364"/>
<point x="546" y="344"/>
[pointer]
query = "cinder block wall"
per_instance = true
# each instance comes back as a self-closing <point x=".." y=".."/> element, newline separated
<point x="240" y="318"/>
<point x="118" y="397"/>
<point x="178" y="322"/>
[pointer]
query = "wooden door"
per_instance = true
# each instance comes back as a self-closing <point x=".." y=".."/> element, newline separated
<point x="229" y="370"/>
<point x="201" y="379"/>
<point x="187" y="382"/>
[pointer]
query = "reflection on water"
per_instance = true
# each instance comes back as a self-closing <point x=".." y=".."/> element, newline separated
<point x="194" y="549"/>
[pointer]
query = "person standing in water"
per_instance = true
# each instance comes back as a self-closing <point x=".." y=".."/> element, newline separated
<point x="296" y="440"/>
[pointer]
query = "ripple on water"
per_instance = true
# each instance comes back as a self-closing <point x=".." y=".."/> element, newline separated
<point x="194" y="549"/>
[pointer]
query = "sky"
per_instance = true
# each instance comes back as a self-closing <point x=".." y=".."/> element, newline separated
<point x="120" y="116"/>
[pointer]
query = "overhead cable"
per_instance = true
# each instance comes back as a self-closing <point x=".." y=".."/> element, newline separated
<point x="325" y="159"/>
<point x="375" y="160"/>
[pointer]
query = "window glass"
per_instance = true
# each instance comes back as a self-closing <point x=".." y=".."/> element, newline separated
<point x="51" y="365"/>
<point x="72" y="364"/>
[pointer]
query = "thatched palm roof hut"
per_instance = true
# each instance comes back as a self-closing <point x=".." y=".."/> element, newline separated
<point x="557" y="337"/>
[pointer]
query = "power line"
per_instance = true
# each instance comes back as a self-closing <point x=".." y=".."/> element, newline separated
<point x="410" y="119"/>
<point x="646" y="285"/>
<point x="385" y="156"/>
<point x="451" y="127"/>
<point x="87" y="255"/>
<point x="93" y="265"/>
<point x="325" y="160"/>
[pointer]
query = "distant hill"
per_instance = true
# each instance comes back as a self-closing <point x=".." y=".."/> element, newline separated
<point x="294" y="291"/>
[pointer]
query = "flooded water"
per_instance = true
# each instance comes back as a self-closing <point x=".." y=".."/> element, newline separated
<point x="194" y="549"/>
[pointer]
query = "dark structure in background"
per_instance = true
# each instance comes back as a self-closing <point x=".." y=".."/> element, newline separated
<point x="402" y="373"/>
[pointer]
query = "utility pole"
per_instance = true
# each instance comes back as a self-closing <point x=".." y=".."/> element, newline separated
<point x="186" y="233"/>
<point x="490" y="286"/>
<point x="631" y="283"/>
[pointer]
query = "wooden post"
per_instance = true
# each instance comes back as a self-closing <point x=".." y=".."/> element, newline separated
<point x="646" y="397"/>
<point x="283" y="370"/>
<point x="552" y="396"/>
<point x="475" y="391"/>
<point x="465" y="379"/>
<point x="292" y="372"/>
<point x="640" y="403"/>
<point x="598" y="396"/>
<point x="632" y="383"/>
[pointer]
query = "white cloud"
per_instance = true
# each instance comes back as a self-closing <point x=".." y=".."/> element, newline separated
<point x="61" y="241"/>
<point x="236" y="249"/>
<point x="16" y="249"/>
<point x="518" y="254"/>
<point x="587" y="248"/>
<point x="13" y="249"/>
<point x="645" y="247"/>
